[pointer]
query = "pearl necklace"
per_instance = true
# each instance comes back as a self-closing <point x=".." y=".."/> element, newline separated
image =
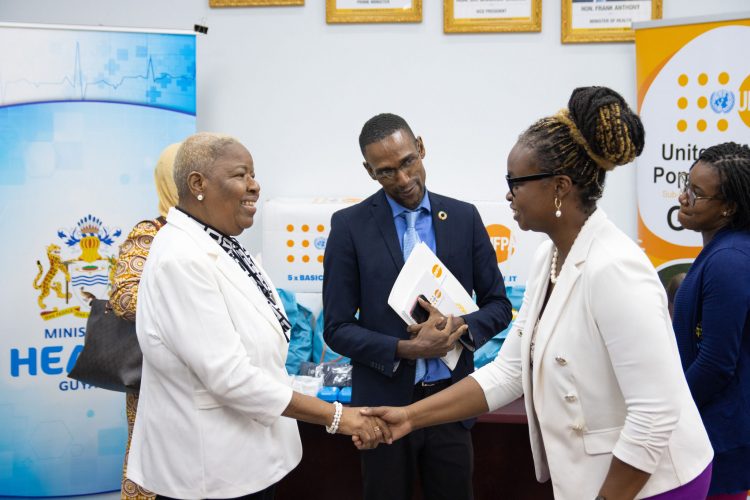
<point x="553" y="268"/>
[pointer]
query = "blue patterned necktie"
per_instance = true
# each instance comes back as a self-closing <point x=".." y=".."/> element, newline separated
<point x="411" y="238"/>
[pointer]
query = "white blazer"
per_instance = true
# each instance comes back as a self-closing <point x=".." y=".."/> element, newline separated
<point x="606" y="377"/>
<point x="214" y="386"/>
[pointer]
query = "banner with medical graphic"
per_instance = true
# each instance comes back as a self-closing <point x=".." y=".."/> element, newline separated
<point x="693" y="92"/>
<point x="84" y="115"/>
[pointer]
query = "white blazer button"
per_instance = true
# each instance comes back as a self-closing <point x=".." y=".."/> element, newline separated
<point x="570" y="398"/>
<point x="577" y="427"/>
<point x="561" y="361"/>
<point x="520" y="333"/>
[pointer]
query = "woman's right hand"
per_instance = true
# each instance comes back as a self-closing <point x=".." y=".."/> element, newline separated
<point x="397" y="419"/>
<point x="367" y="432"/>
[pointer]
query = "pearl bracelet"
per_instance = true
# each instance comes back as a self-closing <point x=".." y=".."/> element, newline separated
<point x="334" y="427"/>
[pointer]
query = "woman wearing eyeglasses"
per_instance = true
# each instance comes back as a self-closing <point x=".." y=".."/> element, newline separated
<point x="592" y="349"/>
<point x="712" y="310"/>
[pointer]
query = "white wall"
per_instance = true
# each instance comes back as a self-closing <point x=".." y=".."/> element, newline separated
<point x="296" y="91"/>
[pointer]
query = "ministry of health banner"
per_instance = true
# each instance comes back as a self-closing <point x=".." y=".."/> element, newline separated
<point x="84" y="114"/>
<point x="693" y="92"/>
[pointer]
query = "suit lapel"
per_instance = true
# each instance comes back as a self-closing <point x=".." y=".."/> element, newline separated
<point x="535" y="305"/>
<point x="569" y="275"/>
<point x="555" y="306"/>
<point x="537" y="289"/>
<point x="244" y="283"/>
<point x="442" y="227"/>
<point x="381" y="212"/>
<point x="226" y="266"/>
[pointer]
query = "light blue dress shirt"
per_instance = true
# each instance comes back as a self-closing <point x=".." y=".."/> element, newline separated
<point x="435" y="369"/>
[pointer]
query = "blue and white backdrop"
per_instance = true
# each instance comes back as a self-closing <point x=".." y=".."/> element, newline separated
<point x="84" y="114"/>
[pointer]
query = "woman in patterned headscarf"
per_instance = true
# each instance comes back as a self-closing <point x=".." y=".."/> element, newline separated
<point x="133" y="253"/>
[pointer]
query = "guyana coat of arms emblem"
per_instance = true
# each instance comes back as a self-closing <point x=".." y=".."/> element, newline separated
<point x="78" y="269"/>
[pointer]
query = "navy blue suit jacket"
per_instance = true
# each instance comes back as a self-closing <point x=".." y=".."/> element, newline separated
<point x="716" y="295"/>
<point x="362" y="260"/>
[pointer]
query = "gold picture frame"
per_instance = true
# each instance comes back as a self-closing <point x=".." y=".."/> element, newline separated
<point x="485" y="24"/>
<point x="573" y="17"/>
<point x="253" y="3"/>
<point x="336" y="14"/>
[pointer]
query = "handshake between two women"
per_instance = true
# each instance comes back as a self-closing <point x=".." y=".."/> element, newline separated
<point x="370" y="427"/>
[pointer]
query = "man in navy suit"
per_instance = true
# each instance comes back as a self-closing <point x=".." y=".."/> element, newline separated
<point x="392" y="365"/>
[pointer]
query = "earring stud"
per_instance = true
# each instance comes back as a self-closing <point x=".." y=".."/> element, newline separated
<point x="200" y="196"/>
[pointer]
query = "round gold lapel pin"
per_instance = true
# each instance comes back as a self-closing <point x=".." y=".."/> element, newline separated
<point x="442" y="215"/>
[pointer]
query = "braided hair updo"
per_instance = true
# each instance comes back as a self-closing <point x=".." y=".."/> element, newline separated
<point x="597" y="132"/>
<point x="732" y="161"/>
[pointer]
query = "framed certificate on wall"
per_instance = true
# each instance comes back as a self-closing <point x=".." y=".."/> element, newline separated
<point x="373" y="11"/>
<point x="605" y="20"/>
<point x="491" y="16"/>
<point x="253" y="3"/>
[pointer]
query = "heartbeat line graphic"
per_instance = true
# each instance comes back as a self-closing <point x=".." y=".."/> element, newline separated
<point x="149" y="87"/>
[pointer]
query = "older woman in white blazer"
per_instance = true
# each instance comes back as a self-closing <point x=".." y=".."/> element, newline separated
<point x="216" y="410"/>
<point x="592" y="349"/>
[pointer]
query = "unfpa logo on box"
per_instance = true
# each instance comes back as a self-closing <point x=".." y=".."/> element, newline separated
<point x="309" y="246"/>
<point x="717" y="99"/>
<point x="502" y="240"/>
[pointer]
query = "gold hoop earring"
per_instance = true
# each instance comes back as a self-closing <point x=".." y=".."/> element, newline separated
<point x="558" y="204"/>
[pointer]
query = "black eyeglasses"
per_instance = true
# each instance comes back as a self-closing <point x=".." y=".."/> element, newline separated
<point x="388" y="174"/>
<point x="513" y="181"/>
<point x="687" y="190"/>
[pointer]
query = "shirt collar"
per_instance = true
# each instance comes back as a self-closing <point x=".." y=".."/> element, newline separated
<point x="397" y="209"/>
<point x="204" y="225"/>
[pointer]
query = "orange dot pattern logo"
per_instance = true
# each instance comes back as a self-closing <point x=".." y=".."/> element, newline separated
<point x="712" y="100"/>
<point x="306" y="243"/>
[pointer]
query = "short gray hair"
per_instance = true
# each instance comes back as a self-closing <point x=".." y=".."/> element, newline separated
<point x="196" y="154"/>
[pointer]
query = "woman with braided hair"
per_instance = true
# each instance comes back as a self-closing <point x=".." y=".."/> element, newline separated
<point x="712" y="310"/>
<point x="592" y="349"/>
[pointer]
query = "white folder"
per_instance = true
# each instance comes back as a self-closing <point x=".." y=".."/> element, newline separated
<point x="424" y="274"/>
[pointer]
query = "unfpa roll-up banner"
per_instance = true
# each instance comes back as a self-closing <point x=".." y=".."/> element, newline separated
<point x="84" y="115"/>
<point x="693" y="92"/>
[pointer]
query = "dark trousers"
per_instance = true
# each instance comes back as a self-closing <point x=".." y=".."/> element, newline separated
<point x="442" y="457"/>
<point x="266" y="494"/>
